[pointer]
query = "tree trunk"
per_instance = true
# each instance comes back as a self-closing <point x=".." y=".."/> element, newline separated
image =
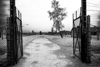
<point x="97" y="35"/>
<point x="61" y="34"/>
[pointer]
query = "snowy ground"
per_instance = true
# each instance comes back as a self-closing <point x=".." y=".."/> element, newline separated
<point x="50" y="51"/>
<point x="28" y="39"/>
<point x="67" y="43"/>
<point x="41" y="55"/>
<point x="3" y="46"/>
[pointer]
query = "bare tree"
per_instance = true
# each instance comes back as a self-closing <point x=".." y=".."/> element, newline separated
<point x="57" y="15"/>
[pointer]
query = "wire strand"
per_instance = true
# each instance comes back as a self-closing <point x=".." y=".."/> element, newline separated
<point x="3" y="27"/>
<point x="93" y="4"/>
<point x="93" y="10"/>
<point x="93" y="25"/>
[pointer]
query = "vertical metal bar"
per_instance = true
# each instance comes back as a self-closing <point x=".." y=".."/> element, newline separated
<point x="89" y="40"/>
<point x="21" y="35"/>
<point x="76" y="14"/>
<point x="18" y="14"/>
<point x="73" y="34"/>
<point x="16" y="44"/>
<point x="8" y="40"/>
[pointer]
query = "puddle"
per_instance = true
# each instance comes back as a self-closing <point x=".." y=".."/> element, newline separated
<point x="35" y="62"/>
<point x="49" y="45"/>
<point x="37" y="50"/>
<point x="37" y="45"/>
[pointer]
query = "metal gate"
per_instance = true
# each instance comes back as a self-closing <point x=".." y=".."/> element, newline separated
<point x="85" y="44"/>
<point x="81" y="36"/>
<point x="19" y="34"/>
<point x="77" y="34"/>
<point x="15" y="44"/>
<point x="11" y="45"/>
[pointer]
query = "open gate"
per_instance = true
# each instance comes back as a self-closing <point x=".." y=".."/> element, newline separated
<point x="10" y="33"/>
<point x="81" y="35"/>
<point x="15" y="44"/>
<point x="77" y="34"/>
<point x="86" y="44"/>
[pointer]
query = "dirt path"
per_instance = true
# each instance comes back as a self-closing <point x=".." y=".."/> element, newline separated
<point x="42" y="52"/>
<point x="39" y="53"/>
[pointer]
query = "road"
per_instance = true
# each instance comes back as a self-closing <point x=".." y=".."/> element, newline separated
<point x="42" y="52"/>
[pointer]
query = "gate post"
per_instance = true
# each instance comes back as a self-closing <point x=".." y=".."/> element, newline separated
<point x="11" y="44"/>
<point x="83" y="31"/>
<point x="84" y="38"/>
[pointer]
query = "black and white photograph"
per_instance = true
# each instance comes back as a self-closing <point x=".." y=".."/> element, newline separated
<point x="49" y="33"/>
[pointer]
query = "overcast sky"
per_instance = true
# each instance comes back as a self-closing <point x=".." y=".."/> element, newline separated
<point x="34" y="13"/>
